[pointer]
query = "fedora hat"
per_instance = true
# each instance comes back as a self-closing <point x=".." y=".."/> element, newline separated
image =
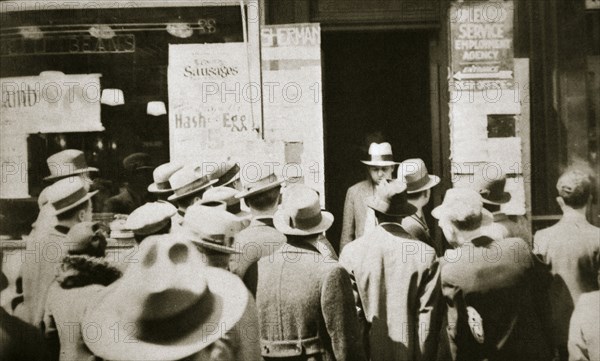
<point x="161" y="176"/>
<point x="67" y="163"/>
<point x="137" y="161"/>
<point x="226" y="174"/>
<point x="211" y="228"/>
<point x="415" y="175"/>
<point x="260" y="186"/>
<point x="68" y="193"/>
<point x="187" y="181"/>
<point x="390" y="199"/>
<point x="381" y="155"/>
<point x="227" y="195"/>
<point x="301" y="214"/>
<point x="460" y="204"/>
<point x="150" y="218"/>
<point x="167" y="306"/>
<point x="492" y="190"/>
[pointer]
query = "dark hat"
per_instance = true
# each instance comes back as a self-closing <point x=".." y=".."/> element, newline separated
<point x="137" y="161"/>
<point x="169" y="304"/>
<point x="390" y="199"/>
<point x="492" y="190"/>
<point x="67" y="163"/>
<point x="226" y="174"/>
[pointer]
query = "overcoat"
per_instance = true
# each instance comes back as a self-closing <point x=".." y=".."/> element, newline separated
<point x="355" y="211"/>
<point x="306" y="308"/>
<point x="584" y="336"/>
<point x="397" y="279"/>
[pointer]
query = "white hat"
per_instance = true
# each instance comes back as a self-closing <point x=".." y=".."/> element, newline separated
<point x="301" y="214"/>
<point x="381" y="155"/>
<point x="150" y="217"/>
<point x="68" y="193"/>
<point x="161" y="176"/>
<point x="461" y="203"/>
<point x="212" y="228"/>
<point x="67" y="163"/>
<point x="187" y="181"/>
<point x="167" y="306"/>
<point x="415" y="175"/>
<point x="262" y="185"/>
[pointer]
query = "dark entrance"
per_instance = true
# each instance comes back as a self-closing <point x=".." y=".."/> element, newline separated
<point x="376" y="88"/>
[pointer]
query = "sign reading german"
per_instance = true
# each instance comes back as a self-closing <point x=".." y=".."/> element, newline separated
<point x="482" y="44"/>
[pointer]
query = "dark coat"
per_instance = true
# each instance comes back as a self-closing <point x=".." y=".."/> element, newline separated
<point x="79" y="280"/>
<point x="355" y="211"/>
<point x="260" y="239"/>
<point x="397" y="279"/>
<point x="125" y="202"/>
<point x="306" y="308"/>
<point x="417" y="227"/>
<point x="494" y="291"/>
<point x="571" y="248"/>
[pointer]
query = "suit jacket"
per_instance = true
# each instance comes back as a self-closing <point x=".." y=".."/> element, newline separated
<point x="305" y="304"/>
<point x="43" y="255"/>
<point x="125" y="202"/>
<point x="511" y="227"/>
<point x="496" y="304"/>
<point x="417" y="227"/>
<point x="397" y="279"/>
<point x="355" y="211"/>
<point x="571" y="249"/>
<point x="259" y="240"/>
<point x="584" y="335"/>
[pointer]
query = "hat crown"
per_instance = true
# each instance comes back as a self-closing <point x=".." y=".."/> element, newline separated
<point x="303" y="207"/>
<point x="149" y="216"/>
<point x="264" y="181"/>
<point x="65" y="188"/>
<point x="185" y="176"/>
<point x="225" y="173"/>
<point x="460" y="204"/>
<point x="413" y="170"/>
<point x="136" y="160"/>
<point x="378" y="149"/>
<point x="163" y="172"/>
<point x="212" y="223"/>
<point x="67" y="162"/>
<point x="221" y="194"/>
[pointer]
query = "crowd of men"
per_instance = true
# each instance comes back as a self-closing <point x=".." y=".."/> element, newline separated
<point x="232" y="269"/>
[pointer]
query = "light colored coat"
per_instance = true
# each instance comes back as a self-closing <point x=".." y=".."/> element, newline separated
<point x="355" y="211"/>
<point x="397" y="279"/>
<point x="306" y="308"/>
<point x="571" y="248"/>
<point x="584" y="331"/>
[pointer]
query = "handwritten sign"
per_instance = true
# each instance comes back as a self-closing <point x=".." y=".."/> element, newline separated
<point x="482" y="44"/>
<point x="210" y="97"/>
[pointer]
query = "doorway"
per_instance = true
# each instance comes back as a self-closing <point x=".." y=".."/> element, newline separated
<point x="376" y="88"/>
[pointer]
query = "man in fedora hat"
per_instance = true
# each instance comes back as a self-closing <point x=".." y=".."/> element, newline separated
<point x="161" y="186"/>
<point x="397" y="279"/>
<point x="571" y="249"/>
<point x="227" y="174"/>
<point x="494" y="196"/>
<point x="494" y="289"/>
<point x="71" y="202"/>
<point x="80" y="276"/>
<point x="212" y="230"/>
<point x="152" y="218"/>
<point x="260" y="238"/>
<point x="304" y="298"/>
<point x="227" y="195"/>
<point x="134" y="193"/>
<point x="68" y="163"/>
<point x="418" y="189"/>
<point x="189" y="184"/>
<point x="380" y="166"/>
<point x="171" y="306"/>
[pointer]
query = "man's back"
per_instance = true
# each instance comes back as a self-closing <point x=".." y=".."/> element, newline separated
<point x="355" y="211"/>
<point x="397" y="279"/>
<point x="495" y="303"/>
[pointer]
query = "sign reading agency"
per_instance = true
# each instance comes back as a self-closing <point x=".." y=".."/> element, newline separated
<point x="482" y="44"/>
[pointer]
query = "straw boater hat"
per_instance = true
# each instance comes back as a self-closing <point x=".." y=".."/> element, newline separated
<point x="227" y="195"/>
<point x="211" y="228"/>
<point x="390" y="199"/>
<point x="492" y="190"/>
<point x="226" y="174"/>
<point x="381" y="155"/>
<point x="68" y="193"/>
<point x="67" y="163"/>
<point x="188" y="181"/>
<point x="167" y="306"/>
<point x="260" y="186"/>
<point x="150" y="218"/>
<point x="301" y="214"/>
<point x="415" y="175"/>
<point x="460" y="204"/>
<point x="161" y="176"/>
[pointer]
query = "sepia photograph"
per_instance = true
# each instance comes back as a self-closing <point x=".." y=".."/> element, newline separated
<point x="300" y="180"/>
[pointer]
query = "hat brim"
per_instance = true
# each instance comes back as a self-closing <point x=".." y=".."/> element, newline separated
<point x="487" y="217"/>
<point x="281" y="223"/>
<point x="382" y="163"/>
<point x="230" y="301"/>
<point x="152" y="188"/>
<point x="214" y="247"/>
<point x="175" y="197"/>
<point x="75" y="172"/>
<point x="405" y="211"/>
<point x="71" y="206"/>
<point x="505" y="198"/>
<point x="434" y="180"/>
<point x="258" y="190"/>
